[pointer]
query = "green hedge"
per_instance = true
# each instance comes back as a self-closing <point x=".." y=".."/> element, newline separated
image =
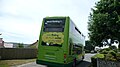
<point x="98" y="56"/>
<point x="87" y="51"/>
<point x="94" y="59"/>
<point x="107" y="54"/>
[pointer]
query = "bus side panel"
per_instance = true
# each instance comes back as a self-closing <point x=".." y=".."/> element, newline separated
<point x="39" y="41"/>
<point x="76" y="39"/>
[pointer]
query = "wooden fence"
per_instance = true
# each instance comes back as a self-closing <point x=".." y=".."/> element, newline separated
<point x="18" y="53"/>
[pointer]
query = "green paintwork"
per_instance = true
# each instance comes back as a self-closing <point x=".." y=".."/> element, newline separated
<point x="53" y="55"/>
<point x="51" y="64"/>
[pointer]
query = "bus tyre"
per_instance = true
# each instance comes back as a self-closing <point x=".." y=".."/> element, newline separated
<point x="74" y="63"/>
<point x="82" y="58"/>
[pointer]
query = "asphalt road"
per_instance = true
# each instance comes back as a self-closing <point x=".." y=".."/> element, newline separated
<point x="84" y="63"/>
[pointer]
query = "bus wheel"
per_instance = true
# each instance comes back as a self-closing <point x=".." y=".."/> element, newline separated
<point x="83" y="57"/>
<point x="74" y="63"/>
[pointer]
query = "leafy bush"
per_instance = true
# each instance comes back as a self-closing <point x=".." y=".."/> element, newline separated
<point x="87" y="51"/>
<point x="94" y="59"/>
<point x="98" y="56"/>
<point x="118" y="49"/>
<point x="113" y="47"/>
<point x="112" y="52"/>
<point x="118" y="57"/>
<point x="107" y="49"/>
<point x="110" y="57"/>
<point x="104" y="52"/>
<point x="20" y="45"/>
<point x="108" y="54"/>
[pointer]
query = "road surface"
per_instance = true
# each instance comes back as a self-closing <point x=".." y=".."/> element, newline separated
<point x="84" y="63"/>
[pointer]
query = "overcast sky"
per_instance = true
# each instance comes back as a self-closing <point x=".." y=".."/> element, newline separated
<point x="20" y="20"/>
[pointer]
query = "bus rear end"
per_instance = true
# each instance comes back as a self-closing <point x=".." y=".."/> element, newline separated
<point x="52" y="40"/>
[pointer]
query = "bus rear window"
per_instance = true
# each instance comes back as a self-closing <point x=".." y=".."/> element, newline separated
<point x="54" y="25"/>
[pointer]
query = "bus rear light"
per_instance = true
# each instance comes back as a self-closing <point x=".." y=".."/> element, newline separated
<point x="65" y="56"/>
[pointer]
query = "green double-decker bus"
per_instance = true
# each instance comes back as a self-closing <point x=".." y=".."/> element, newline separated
<point x="61" y="44"/>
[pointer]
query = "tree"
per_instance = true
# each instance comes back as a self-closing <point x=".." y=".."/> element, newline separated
<point x="88" y="45"/>
<point x="20" y="45"/>
<point x="104" y="22"/>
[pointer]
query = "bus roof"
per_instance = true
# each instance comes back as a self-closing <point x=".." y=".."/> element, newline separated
<point x="57" y="17"/>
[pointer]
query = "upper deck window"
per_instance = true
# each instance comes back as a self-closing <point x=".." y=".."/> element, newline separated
<point x="77" y="30"/>
<point x="54" y="25"/>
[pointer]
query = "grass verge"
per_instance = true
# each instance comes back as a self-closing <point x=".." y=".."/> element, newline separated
<point x="9" y="63"/>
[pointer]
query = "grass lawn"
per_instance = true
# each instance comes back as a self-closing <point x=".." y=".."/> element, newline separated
<point x="9" y="63"/>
